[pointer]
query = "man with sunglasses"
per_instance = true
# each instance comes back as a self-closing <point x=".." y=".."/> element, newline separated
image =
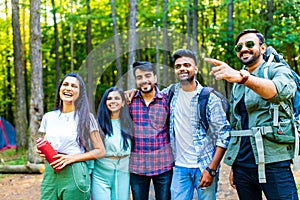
<point x="258" y="162"/>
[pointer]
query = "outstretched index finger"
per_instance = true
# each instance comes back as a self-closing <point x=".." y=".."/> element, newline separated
<point x="213" y="61"/>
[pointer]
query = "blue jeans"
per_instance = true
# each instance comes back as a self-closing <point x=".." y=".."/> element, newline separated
<point x="140" y="186"/>
<point x="280" y="184"/>
<point x="186" y="180"/>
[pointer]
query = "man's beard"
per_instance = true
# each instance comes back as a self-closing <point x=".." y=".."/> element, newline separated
<point x="146" y="91"/>
<point x="188" y="80"/>
<point x="254" y="57"/>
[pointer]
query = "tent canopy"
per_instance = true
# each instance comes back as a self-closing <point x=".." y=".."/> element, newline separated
<point x="7" y="135"/>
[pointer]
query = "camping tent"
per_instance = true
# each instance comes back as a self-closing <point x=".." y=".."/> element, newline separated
<point x="7" y="135"/>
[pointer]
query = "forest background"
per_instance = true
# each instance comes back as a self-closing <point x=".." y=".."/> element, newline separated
<point x="42" y="40"/>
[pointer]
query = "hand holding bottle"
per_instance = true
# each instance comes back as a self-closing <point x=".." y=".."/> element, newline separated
<point x="46" y="151"/>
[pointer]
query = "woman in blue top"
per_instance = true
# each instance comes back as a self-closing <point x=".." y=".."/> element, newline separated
<point x="110" y="179"/>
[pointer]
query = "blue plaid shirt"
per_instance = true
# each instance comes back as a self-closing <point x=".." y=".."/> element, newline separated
<point x="205" y="142"/>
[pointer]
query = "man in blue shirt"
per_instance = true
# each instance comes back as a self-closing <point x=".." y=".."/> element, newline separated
<point x="197" y="152"/>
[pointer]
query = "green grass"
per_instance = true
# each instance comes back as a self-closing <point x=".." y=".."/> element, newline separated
<point x="12" y="157"/>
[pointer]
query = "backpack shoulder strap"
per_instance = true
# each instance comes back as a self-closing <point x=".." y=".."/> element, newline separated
<point x="171" y="93"/>
<point x="202" y="102"/>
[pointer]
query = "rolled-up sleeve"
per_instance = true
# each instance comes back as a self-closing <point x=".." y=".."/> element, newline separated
<point x="283" y="78"/>
<point x="219" y="126"/>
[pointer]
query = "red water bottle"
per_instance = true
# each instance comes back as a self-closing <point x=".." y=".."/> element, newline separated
<point x="45" y="147"/>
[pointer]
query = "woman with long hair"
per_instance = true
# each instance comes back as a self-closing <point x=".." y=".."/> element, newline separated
<point x="110" y="179"/>
<point x="73" y="132"/>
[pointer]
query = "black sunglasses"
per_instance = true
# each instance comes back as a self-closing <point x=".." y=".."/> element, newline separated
<point x="248" y="44"/>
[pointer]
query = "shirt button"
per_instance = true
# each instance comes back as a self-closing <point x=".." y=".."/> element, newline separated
<point x="229" y="158"/>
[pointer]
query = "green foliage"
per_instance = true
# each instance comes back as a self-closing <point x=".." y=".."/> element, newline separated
<point x="279" y="22"/>
<point x="12" y="157"/>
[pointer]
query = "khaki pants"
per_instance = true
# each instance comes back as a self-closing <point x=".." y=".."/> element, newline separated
<point x="72" y="182"/>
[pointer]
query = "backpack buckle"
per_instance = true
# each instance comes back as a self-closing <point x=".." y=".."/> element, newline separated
<point x="254" y="130"/>
<point x="263" y="130"/>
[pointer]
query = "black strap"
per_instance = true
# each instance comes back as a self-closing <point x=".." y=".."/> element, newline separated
<point x="202" y="103"/>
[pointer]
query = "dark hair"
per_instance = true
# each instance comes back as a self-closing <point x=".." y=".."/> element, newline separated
<point x="144" y="66"/>
<point x="104" y="119"/>
<point x="82" y="110"/>
<point x="246" y="31"/>
<point x="184" y="53"/>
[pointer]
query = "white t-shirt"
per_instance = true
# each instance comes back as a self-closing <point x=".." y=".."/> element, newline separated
<point x="61" y="131"/>
<point x="186" y="155"/>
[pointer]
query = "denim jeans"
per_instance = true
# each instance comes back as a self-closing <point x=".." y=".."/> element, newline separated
<point x="186" y="180"/>
<point x="280" y="184"/>
<point x="140" y="186"/>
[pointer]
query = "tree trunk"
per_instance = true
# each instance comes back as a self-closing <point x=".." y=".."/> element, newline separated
<point x="21" y="115"/>
<point x="157" y="59"/>
<point x="131" y="42"/>
<point x="9" y="114"/>
<point x="202" y="27"/>
<point x="116" y="41"/>
<point x="57" y="61"/>
<point x="36" y="100"/>
<point x="63" y="40"/>
<point x="165" y="44"/>
<point x="27" y="168"/>
<point x="230" y="20"/>
<point x="89" y="59"/>
<point x="188" y="24"/>
<point x="270" y="8"/>
<point x="72" y="37"/>
<point x="24" y="61"/>
<point x="230" y="26"/>
<point x="195" y="27"/>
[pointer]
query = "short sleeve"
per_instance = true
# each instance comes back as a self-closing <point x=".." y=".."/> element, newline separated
<point x="93" y="124"/>
<point x="43" y="124"/>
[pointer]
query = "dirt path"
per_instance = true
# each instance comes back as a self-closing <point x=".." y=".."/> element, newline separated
<point x="20" y="186"/>
<point x="27" y="186"/>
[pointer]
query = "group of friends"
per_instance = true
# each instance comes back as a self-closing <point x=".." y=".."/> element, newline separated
<point x="145" y="135"/>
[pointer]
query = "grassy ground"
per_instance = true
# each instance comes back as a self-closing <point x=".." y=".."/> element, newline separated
<point x="12" y="157"/>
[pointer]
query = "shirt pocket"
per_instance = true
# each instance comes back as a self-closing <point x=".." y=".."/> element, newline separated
<point x="283" y="133"/>
<point x="158" y="115"/>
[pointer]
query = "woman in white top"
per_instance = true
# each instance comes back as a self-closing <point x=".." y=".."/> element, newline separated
<point x="110" y="178"/>
<point x="73" y="132"/>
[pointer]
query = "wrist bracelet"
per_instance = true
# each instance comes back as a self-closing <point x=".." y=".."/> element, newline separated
<point x="245" y="76"/>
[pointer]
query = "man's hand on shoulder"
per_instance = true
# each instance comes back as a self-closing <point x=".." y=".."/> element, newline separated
<point x="129" y="94"/>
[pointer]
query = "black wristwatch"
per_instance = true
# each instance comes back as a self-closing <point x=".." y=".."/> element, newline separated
<point x="211" y="171"/>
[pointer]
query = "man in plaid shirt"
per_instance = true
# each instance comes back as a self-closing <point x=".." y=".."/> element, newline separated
<point x="151" y="156"/>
